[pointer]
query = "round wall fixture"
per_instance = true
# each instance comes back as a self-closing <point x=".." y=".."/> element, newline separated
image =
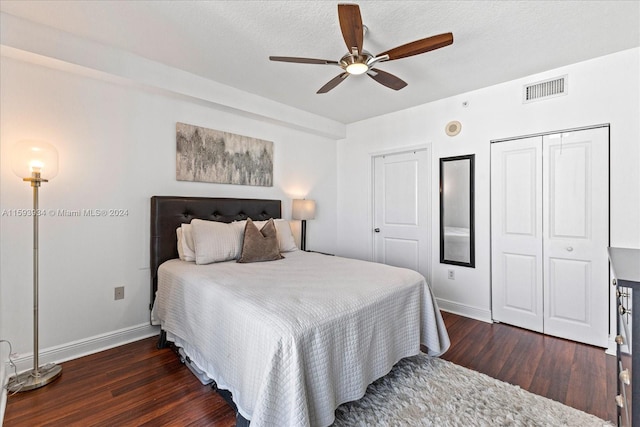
<point x="453" y="128"/>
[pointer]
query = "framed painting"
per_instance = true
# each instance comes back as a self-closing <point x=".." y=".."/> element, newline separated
<point x="207" y="155"/>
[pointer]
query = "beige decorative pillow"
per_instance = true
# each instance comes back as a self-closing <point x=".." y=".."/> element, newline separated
<point x="285" y="236"/>
<point x="260" y="245"/>
<point x="215" y="241"/>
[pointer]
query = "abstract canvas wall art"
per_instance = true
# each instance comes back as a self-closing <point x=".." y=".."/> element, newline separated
<point x="207" y="155"/>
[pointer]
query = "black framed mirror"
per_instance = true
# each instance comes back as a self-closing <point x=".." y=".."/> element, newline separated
<point x="457" y="232"/>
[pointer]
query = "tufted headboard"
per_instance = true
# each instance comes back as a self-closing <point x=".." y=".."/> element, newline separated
<point x="168" y="213"/>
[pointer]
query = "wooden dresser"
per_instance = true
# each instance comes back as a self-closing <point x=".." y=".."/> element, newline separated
<point x="625" y="265"/>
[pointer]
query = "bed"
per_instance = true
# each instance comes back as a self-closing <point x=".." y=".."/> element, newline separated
<point x="289" y="340"/>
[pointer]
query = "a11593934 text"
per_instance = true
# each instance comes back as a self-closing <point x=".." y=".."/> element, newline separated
<point x="65" y="212"/>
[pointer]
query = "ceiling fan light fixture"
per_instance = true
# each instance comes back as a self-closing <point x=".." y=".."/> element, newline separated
<point x="358" y="61"/>
<point x="357" y="68"/>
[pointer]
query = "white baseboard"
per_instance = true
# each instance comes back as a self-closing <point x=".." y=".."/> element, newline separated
<point x="4" y="378"/>
<point x="84" y="347"/>
<point x="3" y="403"/>
<point x="70" y="351"/>
<point x="465" y="310"/>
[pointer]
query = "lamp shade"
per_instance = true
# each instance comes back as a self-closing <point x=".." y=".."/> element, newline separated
<point x="303" y="209"/>
<point x="34" y="156"/>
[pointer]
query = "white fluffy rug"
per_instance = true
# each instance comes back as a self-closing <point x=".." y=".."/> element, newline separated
<point x="427" y="391"/>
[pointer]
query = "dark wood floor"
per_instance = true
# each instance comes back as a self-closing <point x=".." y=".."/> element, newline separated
<point x="575" y="374"/>
<point x="138" y="385"/>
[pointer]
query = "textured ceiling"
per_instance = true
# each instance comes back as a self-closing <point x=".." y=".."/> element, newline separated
<point x="230" y="42"/>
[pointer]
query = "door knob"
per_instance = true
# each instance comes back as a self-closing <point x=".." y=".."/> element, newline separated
<point x="570" y="249"/>
<point x="377" y="230"/>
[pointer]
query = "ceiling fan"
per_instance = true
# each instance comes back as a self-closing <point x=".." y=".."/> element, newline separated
<point x="359" y="61"/>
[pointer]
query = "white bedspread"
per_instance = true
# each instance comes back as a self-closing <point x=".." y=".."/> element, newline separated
<point x="295" y="338"/>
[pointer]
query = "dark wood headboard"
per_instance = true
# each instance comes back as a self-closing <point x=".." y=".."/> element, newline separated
<point x="168" y="213"/>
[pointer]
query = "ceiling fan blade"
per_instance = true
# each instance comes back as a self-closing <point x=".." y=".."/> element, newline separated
<point x="351" y="26"/>
<point x="419" y="46"/>
<point x="386" y="79"/>
<point x="303" y="60"/>
<point x="333" y="83"/>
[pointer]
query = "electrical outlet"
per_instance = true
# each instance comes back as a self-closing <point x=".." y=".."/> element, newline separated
<point x="119" y="293"/>
<point x="451" y="274"/>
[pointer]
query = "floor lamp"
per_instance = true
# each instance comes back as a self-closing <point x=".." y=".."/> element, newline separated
<point x="303" y="210"/>
<point x="35" y="162"/>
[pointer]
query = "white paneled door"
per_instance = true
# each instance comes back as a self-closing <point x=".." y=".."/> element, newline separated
<point x="550" y="232"/>
<point x="516" y="233"/>
<point x="576" y="214"/>
<point x="401" y="234"/>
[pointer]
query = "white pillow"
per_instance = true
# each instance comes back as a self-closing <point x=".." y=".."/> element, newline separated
<point x="185" y="243"/>
<point x="216" y="241"/>
<point x="285" y="236"/>
<point x="283" y="229"/>
<point x="179" y="234"/>
<point x="258" y="224"/>
<point x="188" y="248"/>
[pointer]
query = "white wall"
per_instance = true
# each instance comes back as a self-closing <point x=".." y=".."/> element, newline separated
<point x="603" y="90"/>
<point x="116" y="142"/>
<point x="4" y="377"/>
<point x="112" y="117"/>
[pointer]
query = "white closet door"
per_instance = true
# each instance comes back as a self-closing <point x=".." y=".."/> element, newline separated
<point x="576" y="235"/>
<point x="516" y="229"/>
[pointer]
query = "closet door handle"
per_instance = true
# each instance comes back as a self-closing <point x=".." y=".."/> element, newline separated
<point x="570" y="249"/>
<point x="377" y="230"/>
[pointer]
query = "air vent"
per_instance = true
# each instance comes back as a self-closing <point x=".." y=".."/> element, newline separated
<point x="545" y="89"/>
